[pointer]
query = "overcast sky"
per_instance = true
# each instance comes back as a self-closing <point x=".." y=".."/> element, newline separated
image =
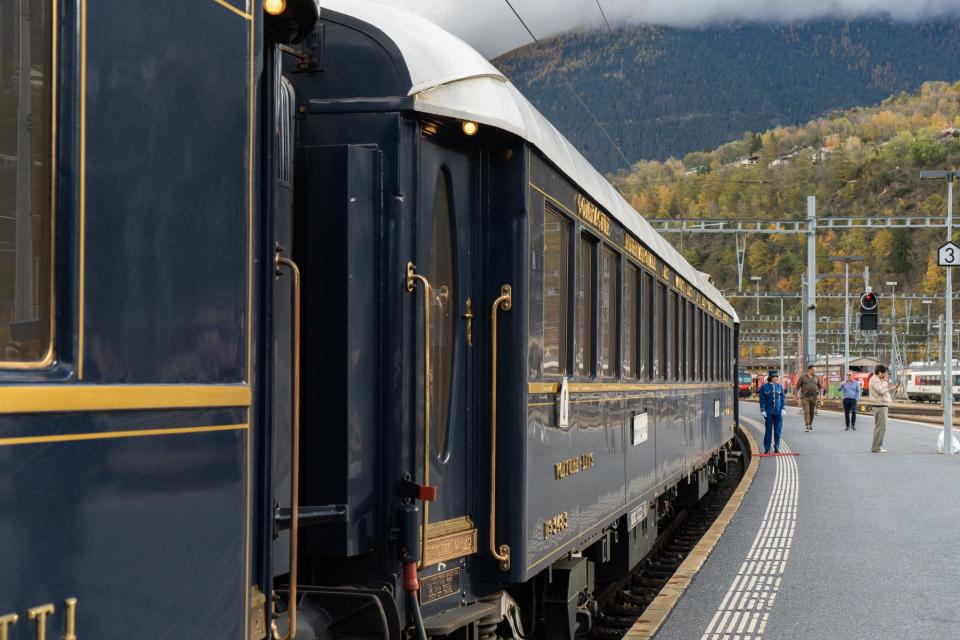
<point x="491" y="27"/>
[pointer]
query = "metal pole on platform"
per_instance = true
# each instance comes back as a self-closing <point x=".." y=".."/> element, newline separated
<point x="947" y="333"/>
<point x="948" y="346"/>
<point x="811" y="301"/>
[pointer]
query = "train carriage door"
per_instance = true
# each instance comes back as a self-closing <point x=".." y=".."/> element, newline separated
<point x="446" y="209"/>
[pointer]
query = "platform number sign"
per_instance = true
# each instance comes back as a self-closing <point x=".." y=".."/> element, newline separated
<point x="948" y="255"/>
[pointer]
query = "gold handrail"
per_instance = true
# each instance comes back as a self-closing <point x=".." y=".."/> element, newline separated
<point x="411" y="283"/>
<point x="505" y="302"/>
<point x="280" y="263"/>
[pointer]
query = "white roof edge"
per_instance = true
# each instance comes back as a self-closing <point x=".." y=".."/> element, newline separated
<point x="449" y="78"/>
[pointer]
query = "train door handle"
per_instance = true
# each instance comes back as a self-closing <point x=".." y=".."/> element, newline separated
<point x="505" y="303"/>
<point x="411" y="284"/>
<point x="279" y="264"/>
<point x="468" y="316"/>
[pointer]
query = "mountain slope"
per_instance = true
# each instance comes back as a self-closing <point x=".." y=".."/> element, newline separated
<point x="863" y="162"/>
<point x="664" y="92"/>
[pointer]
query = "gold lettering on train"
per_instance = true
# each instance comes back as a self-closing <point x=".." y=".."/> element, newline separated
<point x="683" y="286"/>
<point x="570" y="466"/>
<point x="592" y="214"/>
<point x="40" y="615"/>
<point x="70" y="608"/>
<point x="556" y="524"/>
<point x="6" y="622"/>
<point x="640" y="252"/>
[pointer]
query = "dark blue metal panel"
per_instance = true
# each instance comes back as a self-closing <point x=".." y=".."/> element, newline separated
<point x="167" y="179"/>
<point x="146" y="532"/>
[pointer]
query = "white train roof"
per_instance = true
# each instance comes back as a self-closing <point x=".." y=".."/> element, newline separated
<point x="449" y="78"/>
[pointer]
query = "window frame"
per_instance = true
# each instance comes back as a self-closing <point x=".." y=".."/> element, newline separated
<point x="629" y="345"/>
<point x="587" y="368"/>
<point x="613" y="321"/>
<point x="564" y="343"/>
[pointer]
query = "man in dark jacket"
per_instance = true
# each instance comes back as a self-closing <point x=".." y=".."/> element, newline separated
<point x="772" y="406"/>
<point x="809" y="390"/>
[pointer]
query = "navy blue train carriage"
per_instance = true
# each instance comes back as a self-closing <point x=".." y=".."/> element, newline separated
<point x="318" y="322"/>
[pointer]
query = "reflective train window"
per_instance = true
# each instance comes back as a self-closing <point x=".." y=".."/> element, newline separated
<point x="584" y="346"/>
<point x="671" y="371"/>
<point x="443" y="296"/>
<point x="630" y="318"/>
<point x="607" y="324"/>
<point x="662" y="337"/>
<point x="649" y="317"/>
<point x="556" y="278"/>
<point x="26" y="185"/>
<point x="690" y="338"/>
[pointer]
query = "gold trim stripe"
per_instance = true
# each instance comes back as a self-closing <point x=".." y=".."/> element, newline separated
<point x="50" y="399"/>
<point x="596" y="387"/>
<point x="229" y="6"/>
<point x="110" y="435"/>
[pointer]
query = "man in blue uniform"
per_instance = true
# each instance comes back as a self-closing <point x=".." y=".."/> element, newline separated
<point x="772" y="406"/>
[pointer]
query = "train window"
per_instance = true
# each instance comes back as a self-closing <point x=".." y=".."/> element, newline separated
<point x="444" y="296"/>
<point x="663" y="340"/>
<point x="556" y="239"/>
<point x="607" y="303"/>
<point x="649" y="345"/>
<point x="691" y="341"/>
<point x="26" y="183"/>
<point x="585" y="307"/>
<point x="630" y="318"/>
<point x="678" y="339"/>
<point x="673" y="336"/>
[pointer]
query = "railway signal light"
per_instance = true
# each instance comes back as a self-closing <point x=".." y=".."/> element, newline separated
<point x="868" y="311"/>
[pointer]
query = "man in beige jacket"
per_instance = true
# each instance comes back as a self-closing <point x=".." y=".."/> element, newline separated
<point x="880" y="388"/>
<point x="808" y="394"/>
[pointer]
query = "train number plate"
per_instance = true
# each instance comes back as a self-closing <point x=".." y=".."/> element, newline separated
<point x="440" y="585"/>
<point x="641" y="429"/>
<point x="638" y="515"/>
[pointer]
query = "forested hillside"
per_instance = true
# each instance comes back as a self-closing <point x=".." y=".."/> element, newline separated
<point x="858" y="162"/>
<point x="664" y="92"/>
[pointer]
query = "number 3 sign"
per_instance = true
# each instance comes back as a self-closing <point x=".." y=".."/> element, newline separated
<point x="948" y="255"/>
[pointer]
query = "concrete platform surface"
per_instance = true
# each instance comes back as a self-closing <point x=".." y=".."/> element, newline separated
<point x="837" y="542"/>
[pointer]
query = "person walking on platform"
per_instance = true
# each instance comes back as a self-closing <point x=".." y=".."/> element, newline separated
<point x="772" y="406"/>
<point x="880" y="388"/>
<point x="850" y="390"/>
<point x="809" y="390"/>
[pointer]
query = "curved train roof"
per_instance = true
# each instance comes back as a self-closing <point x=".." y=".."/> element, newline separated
<point x="449" y="78"/>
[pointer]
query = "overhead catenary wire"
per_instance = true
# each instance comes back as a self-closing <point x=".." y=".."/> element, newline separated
<point x="576" y="95"/>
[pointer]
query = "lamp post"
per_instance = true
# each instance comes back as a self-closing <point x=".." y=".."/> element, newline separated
<point x="757" y="279"/>
<point x="948" y="312"/>
<point x="926" y="352"/>
<point x="846" y="306"/>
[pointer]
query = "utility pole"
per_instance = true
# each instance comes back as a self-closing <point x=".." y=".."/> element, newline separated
<point x="948" y="312"/>
<point x="811" y="301"/>
<point x="846" y="304"/>
<point x="893" y="330"/>
<point x="926" y="352"/>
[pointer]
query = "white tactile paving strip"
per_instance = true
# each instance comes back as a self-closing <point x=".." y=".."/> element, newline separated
<point x="745" y="610"/>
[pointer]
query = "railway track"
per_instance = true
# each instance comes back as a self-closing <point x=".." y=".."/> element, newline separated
<point x="623" y="603"/>
<point x="918" y="412"/>
<point x="914" y="411"/>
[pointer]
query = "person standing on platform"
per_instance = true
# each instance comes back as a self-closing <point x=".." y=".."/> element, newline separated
<point x="808" y="393"/>
<point x="850" y="390"/>
<point x="880" y="388"/>
<point x="772" y="406"/>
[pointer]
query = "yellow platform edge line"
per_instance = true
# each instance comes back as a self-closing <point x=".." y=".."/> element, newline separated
<point x="79" y="397"/>
<point x="659" y="610"/>
<point x="111" y="435"/>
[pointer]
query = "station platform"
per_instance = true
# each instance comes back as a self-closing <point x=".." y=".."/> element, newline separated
<point x="836" y="542"/>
